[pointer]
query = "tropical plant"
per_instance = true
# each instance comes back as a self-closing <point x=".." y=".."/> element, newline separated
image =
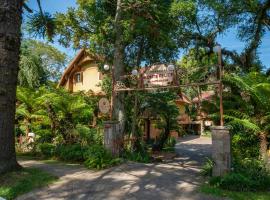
<point x="248" y="175"/>
<point x="25" y="110"/>
<point x="72" y="152"/>
<point x="254" y="89"/>
<point x="97" y="157"/>
<point x="162" y="106"/>
<point x="65" y="112"/>
<point x="246" y="108"/>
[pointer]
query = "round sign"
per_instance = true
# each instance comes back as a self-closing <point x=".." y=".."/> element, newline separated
<point x="104" y="105"/>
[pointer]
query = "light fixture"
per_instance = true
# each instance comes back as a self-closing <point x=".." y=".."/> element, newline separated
<point x="134" y="72"/>
<point x="170" y="67"/>
<point x="106" y="67"/>
<point x="217" y="48"/>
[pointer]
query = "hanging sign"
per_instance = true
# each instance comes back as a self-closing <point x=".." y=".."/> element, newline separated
<point x="157" y="75"/>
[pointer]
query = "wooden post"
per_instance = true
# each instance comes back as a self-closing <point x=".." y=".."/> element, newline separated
<point x="113" y="92"/>
<point x="220" y="87"/>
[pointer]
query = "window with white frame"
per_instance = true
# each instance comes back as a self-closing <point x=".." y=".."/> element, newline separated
<point x="78" y="77"/>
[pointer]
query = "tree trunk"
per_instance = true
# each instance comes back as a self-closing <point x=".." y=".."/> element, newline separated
<point x="53" y="119"/>
<point x="10" y="36"/>
<point x="118" y="64"/>
<point x="164" y="137"/>
<point x="134" y="130"/>
<point x="263" y="146"/>
<point x="27" y="126"/>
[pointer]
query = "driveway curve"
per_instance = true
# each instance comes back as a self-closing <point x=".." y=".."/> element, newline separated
<point x="175" y="180"/>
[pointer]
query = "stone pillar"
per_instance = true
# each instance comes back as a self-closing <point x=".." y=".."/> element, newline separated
<point x="221" y="150"/>
<point x="113" y="140"/>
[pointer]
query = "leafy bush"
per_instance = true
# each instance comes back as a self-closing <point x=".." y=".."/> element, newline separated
<point x="97" y="157"/>
<point x="46" y="149"/>
<point x="207" y="168"/>
<point x="142" y="157"/>
<point x="70" y="152"/>
<point x="89" y="135"/>
<point x="171" y="141"/>
<point x="249" y="175"/>
<point x="244" y="144"/>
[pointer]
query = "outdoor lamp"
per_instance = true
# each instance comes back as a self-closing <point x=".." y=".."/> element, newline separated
<point x="170" y="67"/>
<point x="106" y="67"/>
<point x="134" y="72"/>
<point x="217" y="48"/>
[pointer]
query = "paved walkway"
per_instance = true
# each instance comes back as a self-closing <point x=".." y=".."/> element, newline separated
<point x="173" y="180"/>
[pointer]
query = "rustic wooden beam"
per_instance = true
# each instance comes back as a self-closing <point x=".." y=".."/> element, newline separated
<point x="168" y="87"/>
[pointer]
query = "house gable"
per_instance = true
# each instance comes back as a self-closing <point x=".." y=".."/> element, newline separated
<point x="82" y="73"/>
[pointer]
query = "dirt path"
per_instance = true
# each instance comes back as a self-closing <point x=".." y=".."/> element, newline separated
<point x="173" y="180"/>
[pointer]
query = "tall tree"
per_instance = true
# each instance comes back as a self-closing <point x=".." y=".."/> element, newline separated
<point x="10" y="41"/>
<point x="121" y="31"/>
<point x="118" y="63"/>
<point x="39" y="63"/>
<point x="250" y="19"/>
<point x="10" y="37"/>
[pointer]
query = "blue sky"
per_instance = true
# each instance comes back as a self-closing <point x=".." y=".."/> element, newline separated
<point x="228" y="40"/>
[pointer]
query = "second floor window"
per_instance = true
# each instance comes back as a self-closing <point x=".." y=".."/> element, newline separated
<point x="78" y="77"/>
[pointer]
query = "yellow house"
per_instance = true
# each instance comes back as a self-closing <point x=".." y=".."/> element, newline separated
<point x="82" y="74"/>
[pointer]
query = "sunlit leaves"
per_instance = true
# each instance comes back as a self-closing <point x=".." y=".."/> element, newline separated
<point x="41" y="24"/>
<point x="39" y="62"/>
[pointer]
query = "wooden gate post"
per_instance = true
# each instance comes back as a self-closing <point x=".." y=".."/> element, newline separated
<point x="221" y="150"/>
<point x="112" y="137"/>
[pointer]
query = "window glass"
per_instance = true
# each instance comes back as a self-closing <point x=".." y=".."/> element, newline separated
<point x="77" y="78"/>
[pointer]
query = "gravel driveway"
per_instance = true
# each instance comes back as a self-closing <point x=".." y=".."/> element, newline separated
<point x="178" y="179"/>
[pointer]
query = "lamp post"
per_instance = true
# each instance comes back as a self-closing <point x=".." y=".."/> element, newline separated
<point x="106" y="67"/>
<point x="217" y="49"/>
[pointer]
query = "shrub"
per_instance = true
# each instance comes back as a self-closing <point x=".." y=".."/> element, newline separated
<point x="70" y="152"/>
<point x="237" y="182"/>
<point x="207" y="168"/>
<point x="249" y="175"/>
<point x="245" y="145"/>
<point x="171" y="141"/>
<point x="46" y="149"/>
<point x="142" y="157"/>
<point x="97" y="157"/>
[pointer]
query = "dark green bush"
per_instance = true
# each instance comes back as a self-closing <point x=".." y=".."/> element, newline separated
<point x="207" y="168"/>
<point x="46" y="149"/>
<point x="248" y="175"/>
<point x="171" y="141"/>
<point x="237" y="182"/>
<point x="142" y="157"/>
<point x="244" y="145"/>
<point x="97" y="157"/>
<point x="70" y="152"/>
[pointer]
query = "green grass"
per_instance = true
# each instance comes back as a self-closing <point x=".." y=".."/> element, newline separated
<point x="23" y="181"/>
<point x="235" y="195"/>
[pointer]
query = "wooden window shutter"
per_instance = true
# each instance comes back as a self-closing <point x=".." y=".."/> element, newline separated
<point x="81" y="76"/>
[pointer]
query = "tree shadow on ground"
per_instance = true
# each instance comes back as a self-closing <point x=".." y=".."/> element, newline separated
<point x="178" y="179"/>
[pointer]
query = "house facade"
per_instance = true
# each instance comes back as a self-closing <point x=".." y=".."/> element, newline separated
<point x="82" y="74"/>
